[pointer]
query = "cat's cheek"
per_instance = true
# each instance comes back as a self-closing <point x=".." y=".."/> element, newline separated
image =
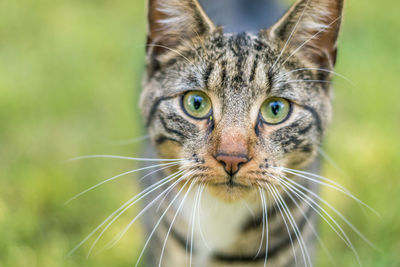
<point x="300" y="159"/>
<point x="169" y="149"/>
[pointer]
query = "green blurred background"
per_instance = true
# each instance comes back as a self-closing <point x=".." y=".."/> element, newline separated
<point x="70" y="76"/>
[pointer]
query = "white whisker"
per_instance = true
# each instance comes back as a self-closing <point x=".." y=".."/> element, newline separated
<point x="263" y="223"/>
<point x="335" y="185"/>
<point x="126" y="229"/>
<point x="123" y="232"/>
<point x="122" y="157"/>
<point x="297" y="229"/>
<point x="117" y="176"/>
<point x="284" y="220"/>
<point x="324" y="248"/>
<point x="291" y="35"/>
<point x="265" y="211"/>
<point x="312" y="37"/>
<point x="130" y="141"/>
<point x="317" y="69"/>
<point x="158" y="170"/>
<point x="316" y="207"/>
<point x="343" y="235"/>
<point x="329" y="160"/>
<point x="193" y="224"/>
<point x="173" y="220"/>
<point x="291" y="222"/>
<point x="198" y="218"/>
<point x="138" y="197"/>
<point x="177" y="52"/>
<point x="305" y="81"/>
<point x="338" y="213"/>
<point x="297" y="172"/>
<point x="159" y="221"/>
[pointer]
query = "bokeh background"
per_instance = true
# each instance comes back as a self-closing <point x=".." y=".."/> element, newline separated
<point x="70" y="76"/>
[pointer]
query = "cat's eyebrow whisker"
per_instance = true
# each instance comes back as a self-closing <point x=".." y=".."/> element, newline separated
<point x="334" y="185"/>
<point x="305" y="81"/>
<point x="133" y="200"/>
<point x="130" y="141"/>
<point x="161" y="218"/>
<point x="291" y="35"/>
<point x="176" y="52"/>
<point x="329" y="160"/>
<point x="311" y="38"/>
<point x="124" y="158"/>
<point x="317" y="69"/>
<point x="120" y="175"/>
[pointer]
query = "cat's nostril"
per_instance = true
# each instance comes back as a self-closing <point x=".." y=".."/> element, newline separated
<point x="232" y="163"/>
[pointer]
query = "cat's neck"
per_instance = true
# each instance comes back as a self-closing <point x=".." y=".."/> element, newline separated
<point x="219" y="225"/>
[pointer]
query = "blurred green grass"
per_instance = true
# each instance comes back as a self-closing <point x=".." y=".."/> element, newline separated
<point x="69" y="82"/>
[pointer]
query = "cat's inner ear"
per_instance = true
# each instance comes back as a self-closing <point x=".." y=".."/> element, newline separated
<point x="174" y="22"/>
<point x="310" y="28"/>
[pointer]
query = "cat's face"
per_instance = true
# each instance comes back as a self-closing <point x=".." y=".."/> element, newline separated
<point x="235" y="106"/>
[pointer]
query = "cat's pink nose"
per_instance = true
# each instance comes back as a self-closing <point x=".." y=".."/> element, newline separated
<point x="232" y="163"/>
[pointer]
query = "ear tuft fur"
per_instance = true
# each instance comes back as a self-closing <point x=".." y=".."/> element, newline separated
<point x="311" y="27"/>
<point x="172" y="22"/>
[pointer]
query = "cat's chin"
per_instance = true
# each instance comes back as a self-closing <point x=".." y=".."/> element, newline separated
<point x="230" y="192"/>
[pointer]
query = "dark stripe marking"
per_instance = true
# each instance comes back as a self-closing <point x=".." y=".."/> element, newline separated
<point x="316" y="116"/>
<point x="169" y="130"/>
<point x="162" y="139"/>
<point x="272" y="251"/>
<point x="154" y="108"/>
<point x="256" y="222"/>
<point x="254" y="68"/>
<point x="223" y="72"/>
<point x="207" y="75"/>
<point x="175" y="235"/>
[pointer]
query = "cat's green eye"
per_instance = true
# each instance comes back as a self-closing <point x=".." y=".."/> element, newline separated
<point x="197" y="104"/>
<point x="275" y="110"/>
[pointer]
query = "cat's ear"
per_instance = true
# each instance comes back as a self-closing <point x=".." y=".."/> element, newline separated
<point x="172" y="22"/>
<point x="311" y="28"/>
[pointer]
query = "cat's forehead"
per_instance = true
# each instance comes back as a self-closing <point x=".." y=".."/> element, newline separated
<point x="239" y="65"/>
<point x="240" y="46"/>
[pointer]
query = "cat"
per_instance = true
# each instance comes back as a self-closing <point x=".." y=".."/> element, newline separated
<point x="239" y="118"/>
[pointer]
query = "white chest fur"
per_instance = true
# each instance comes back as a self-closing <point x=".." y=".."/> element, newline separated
<point x="216" y="223"/>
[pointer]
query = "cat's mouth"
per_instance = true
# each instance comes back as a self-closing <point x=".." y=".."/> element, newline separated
<point x="230" y="191"/>
<point x="232" y="184"/>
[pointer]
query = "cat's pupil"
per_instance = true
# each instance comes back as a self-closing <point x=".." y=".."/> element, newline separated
<point x="197" y="101"/>
<point x="275" y="108"/>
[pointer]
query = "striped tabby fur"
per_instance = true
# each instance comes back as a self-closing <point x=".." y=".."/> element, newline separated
<point x="293" y="59"/>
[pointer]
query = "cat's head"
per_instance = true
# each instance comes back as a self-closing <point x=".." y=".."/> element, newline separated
<point x="235" y="106"/>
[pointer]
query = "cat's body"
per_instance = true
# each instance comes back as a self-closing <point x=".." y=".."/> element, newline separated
<point x="231" y="201"/>
<point x="228" y="234"/>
